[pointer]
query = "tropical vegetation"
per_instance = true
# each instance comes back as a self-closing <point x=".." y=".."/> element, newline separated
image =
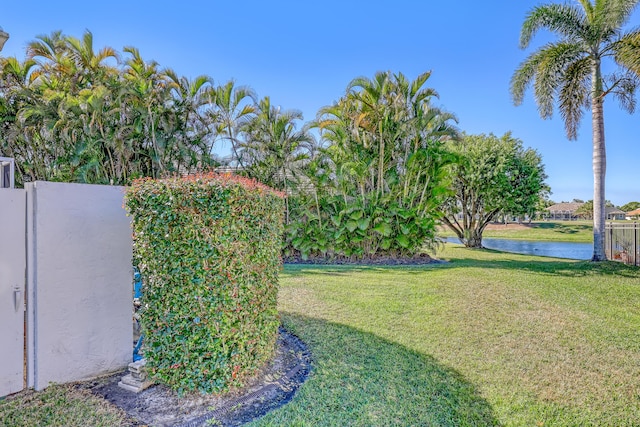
<point x="376" y="185"/>
<point x="573" y="74"/>
<point x="491" y="176"/>
<point x="70" y="112"/>
<point x="373" y="184"/>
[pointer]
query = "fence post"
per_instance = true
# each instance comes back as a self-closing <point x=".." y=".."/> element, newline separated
<point x="610" y="241"/>
<point x="636" y="229"/>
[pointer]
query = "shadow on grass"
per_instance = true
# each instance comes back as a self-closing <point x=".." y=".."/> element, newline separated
<point x="360" y="379"/>
<point x="467" y="257"/>
<point x="542" y="265"/>
<point x="568" y="228"/>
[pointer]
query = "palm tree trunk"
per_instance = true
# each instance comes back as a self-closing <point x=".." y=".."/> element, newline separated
<point x="599" y="166"/>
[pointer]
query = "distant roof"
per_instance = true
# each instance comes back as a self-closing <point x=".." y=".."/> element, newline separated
<point x="612" y="210"/>
<point x="564" y="207"/>
<point x="634" y="212"/>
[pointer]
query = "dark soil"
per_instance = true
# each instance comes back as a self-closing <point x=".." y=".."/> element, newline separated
<point x="419" y="259"/>
<point x="158" y="405"/>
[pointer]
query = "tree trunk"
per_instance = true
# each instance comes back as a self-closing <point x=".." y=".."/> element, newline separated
<point x="599" y="166"/>
<point x="474" y="239"/>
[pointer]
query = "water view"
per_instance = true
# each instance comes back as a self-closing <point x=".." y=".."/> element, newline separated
<point x="569" y="250"/>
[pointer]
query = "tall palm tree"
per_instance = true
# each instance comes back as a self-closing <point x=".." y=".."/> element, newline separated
<point x="190" y="125"/>
<point x="274" y="148"/>
<point x="570" y="72"/>
<point x="234" y="106"/>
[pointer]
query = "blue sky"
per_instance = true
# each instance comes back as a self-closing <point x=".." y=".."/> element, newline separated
<point x="303" y="55"/>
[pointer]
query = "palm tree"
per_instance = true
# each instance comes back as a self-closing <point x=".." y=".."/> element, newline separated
<point x="274" y="149"/>
<point x="189" y="126"/>
<point x="234" y="106"/>
<point x="570" y="72"/>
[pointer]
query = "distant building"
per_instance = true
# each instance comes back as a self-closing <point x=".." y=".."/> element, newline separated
<point x="613" y="214"/>
<point x="634" y="214"/>
<point x="563" y="211"/>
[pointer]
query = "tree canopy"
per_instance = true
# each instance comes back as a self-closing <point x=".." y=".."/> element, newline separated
<point x="492" y="175"/>
<point x="377" y="182"/>
<point x="631" y="206"/>
<point x="71" y="112"/>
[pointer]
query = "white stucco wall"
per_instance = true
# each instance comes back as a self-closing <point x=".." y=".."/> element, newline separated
<point x="80" y="280"/>
<point x="12" y="287"/>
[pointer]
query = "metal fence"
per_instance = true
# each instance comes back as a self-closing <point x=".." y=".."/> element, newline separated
<point x="622" y="242"/>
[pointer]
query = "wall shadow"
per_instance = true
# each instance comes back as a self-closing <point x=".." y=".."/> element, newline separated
<point x="539" y="264"/>
<point x="358" y="378"/>
<point x="569" y="228"/>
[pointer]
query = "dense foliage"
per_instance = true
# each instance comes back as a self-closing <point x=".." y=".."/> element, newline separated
<point x="631" y="206"/>
<point x="373" y="185"/>
<point x="208" y="248"/>
<point x="376" y="187"/>
<point x="492" y="175"/>
<point x="71" y="113"/>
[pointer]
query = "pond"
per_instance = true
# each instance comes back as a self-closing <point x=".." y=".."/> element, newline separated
<point x="569" y="250"/>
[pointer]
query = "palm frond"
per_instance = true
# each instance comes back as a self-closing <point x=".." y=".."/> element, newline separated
<point x="545" y="69"/>
<point x="616" y="13"/>
<point x="524" y="76"/>
<point x="623" y="87"/>
<point x="574" y="95"/>
<point x="626" y="51"/>
<point x="564" y="19"/>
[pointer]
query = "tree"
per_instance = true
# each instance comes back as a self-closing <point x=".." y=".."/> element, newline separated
<point x="586" y="210"/>
<point x="380" y="176"/>
<point x="631" y="206"/>
<point x="234" y="107"/>
<point x="570" y="72"/>
<point x="274" y="147"/>
<point x="70" y="112"/>
<point x="492" y="175"/>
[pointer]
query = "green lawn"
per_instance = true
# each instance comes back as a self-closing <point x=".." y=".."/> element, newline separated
<point x="488" y="338"/>
<point x="59" y="406"/>
<point x="566" y="231"/>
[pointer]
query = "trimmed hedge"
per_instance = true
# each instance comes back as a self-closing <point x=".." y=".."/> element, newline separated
<point x="208" y="248"/>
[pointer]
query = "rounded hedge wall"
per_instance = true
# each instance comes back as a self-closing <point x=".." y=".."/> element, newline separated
<point x="208" y="248"/>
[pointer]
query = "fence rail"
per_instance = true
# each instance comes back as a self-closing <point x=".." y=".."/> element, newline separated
<point x="622" y="242"/>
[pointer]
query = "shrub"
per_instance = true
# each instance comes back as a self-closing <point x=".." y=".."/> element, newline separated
<point x="329" y="228"/>
<point x="208" y="248"/>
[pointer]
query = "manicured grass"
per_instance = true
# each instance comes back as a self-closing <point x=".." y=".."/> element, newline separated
<point x="59" y="405"/>
<point x="488" y="338"/>
<point x="565" y="231"/>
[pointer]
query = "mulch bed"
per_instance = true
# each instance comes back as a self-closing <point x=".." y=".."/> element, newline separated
<point x="272" y="387"/>
<point x="419" y="259"/>
<point x="158" y="405"/>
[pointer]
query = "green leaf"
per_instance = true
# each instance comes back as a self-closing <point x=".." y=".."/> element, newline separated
<point x="351" y="225"/>
<point x="363" y="224"/>
<point x="386" y="244"/>
<point x="403" y="241"/>
<point x="356" y="215"/>
<point x="405" y="228"/>
<point x="405" y="213"/>
<point x="383" y="228"/>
